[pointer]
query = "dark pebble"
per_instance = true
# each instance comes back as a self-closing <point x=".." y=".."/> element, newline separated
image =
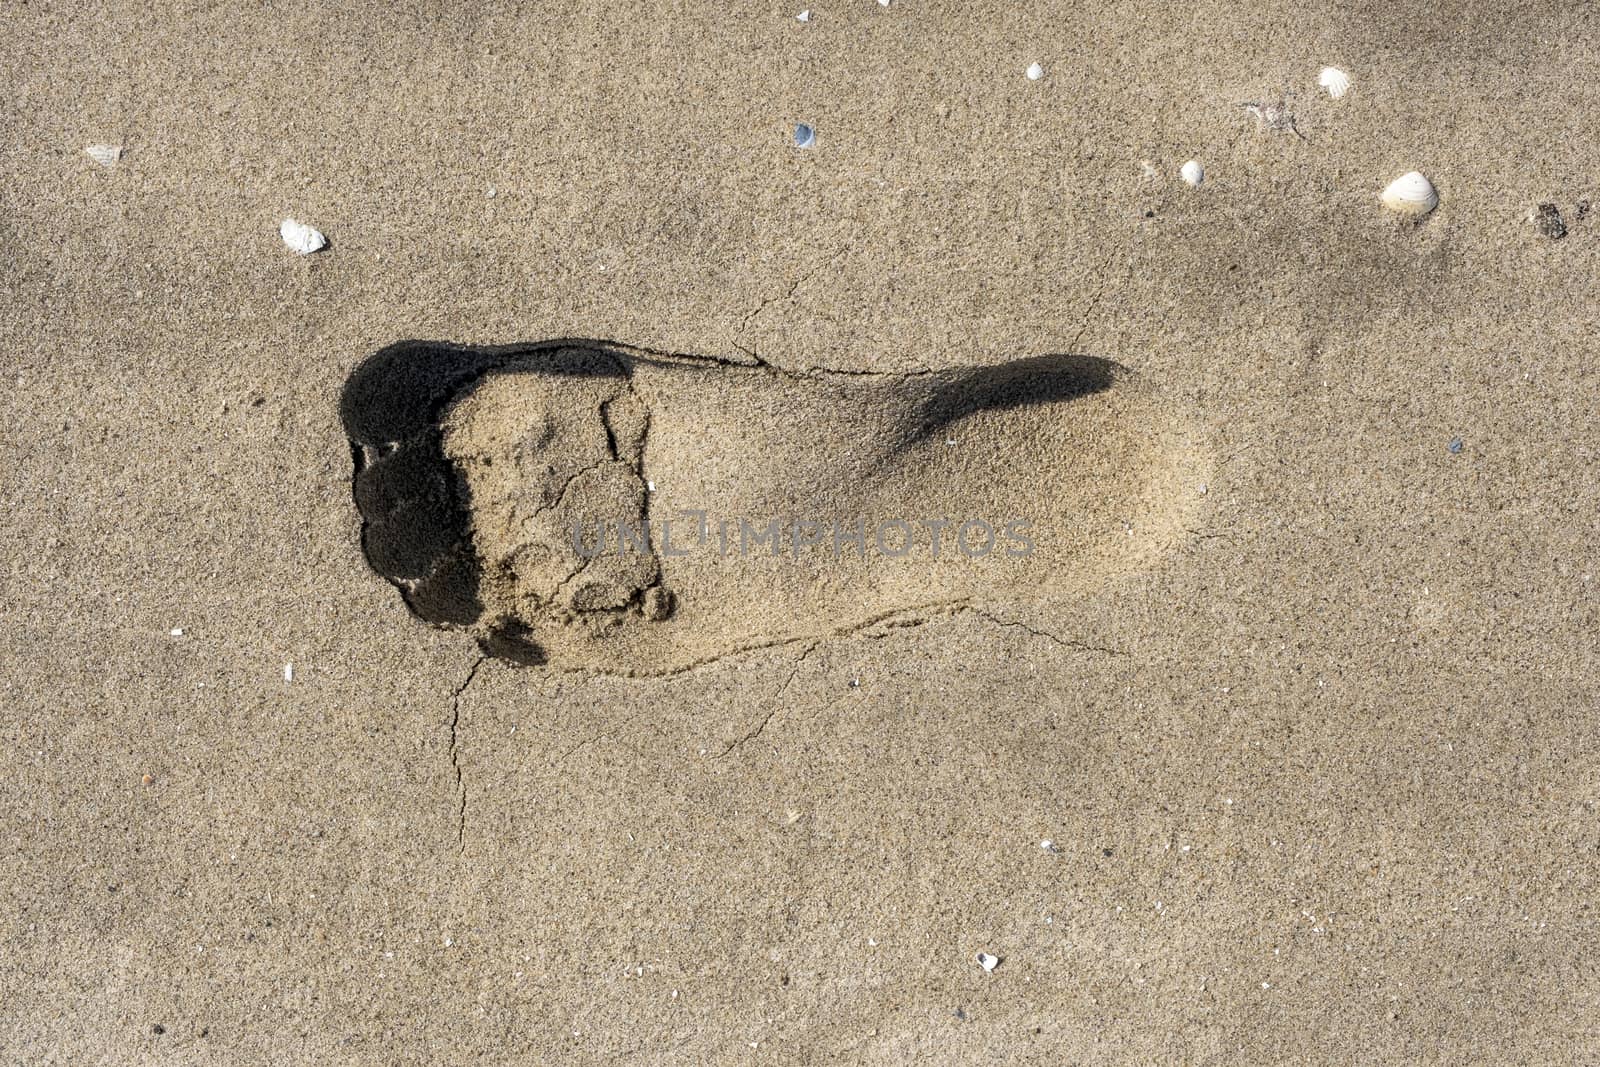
<point x="1548" y="222"/>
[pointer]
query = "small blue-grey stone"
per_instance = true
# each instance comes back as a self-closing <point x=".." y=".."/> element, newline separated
<point x="1454" y="445"/>
<point x="804" y="136"/>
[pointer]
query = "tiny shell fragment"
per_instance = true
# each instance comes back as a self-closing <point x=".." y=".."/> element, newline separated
<point x="1192" y="173"/>
<point x="988" y="962"/>
<point x="1547" y="220"/>
<point x="104" y="154"/>
<point x="301" y="238"/>
<point x="1274" y="115"/>
<point x="1035" y="72"/>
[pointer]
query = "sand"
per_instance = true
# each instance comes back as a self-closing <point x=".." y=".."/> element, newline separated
<point x="1318" y="767"/>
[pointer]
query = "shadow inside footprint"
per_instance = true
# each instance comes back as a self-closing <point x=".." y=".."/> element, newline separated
<point x="416" y="509"/>
<point x="477" y="471"/>
<point x="1035" y="380"/>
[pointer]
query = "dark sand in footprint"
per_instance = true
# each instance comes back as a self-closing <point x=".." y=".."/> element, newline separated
<point x="592" y="505"/>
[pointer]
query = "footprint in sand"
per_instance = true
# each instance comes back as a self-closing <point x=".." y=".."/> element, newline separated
<point x="592" y="505"/>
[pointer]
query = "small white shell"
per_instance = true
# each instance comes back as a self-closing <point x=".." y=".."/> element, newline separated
<point x="104" y="154"/>
<point x="1336" y="81"/>
<point x="804" y="16"/>
<point x="1192" y="172"/>
<point x="1410" y="194"/>
<point x="988" y="962"/>
<point x="1035" y="72"/>
<point x="300" y="237"/>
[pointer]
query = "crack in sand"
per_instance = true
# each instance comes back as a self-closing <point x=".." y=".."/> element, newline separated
<point x="613" y="736"/>
<point x="896" y="618"/>
<point x="783" y="688"/>
<point x="455" y="761"/>
<point x="813" y="372"/>
<point x="566" y="487"/>
<point x="1100" y="292"/>
<point x="1065" y="642"/>
<point x="585" y="743"/>
<point x="766" y="302"/>
<point x="751" y="316"/>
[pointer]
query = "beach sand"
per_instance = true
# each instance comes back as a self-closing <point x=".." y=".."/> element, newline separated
<point x="1315" y="753"/>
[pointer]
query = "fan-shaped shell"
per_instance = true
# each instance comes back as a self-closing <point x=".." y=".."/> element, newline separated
<point x="300" y="237"/>
<point x="1411" y="194"/>
<point x="1336" y="81"/>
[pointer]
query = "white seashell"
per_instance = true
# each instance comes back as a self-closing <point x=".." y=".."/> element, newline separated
<point x="883" y="3"/>
<point x="1192" y="172"/>
<point x="1035" y="72"/>
<point x="988" y="962"/>
<point x="804" y="16"/>
<point x="302" y="238"/>
<point x="104" y="154"/>
<point x="1336" y="81"/>
<point x="1411" y="194"/>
